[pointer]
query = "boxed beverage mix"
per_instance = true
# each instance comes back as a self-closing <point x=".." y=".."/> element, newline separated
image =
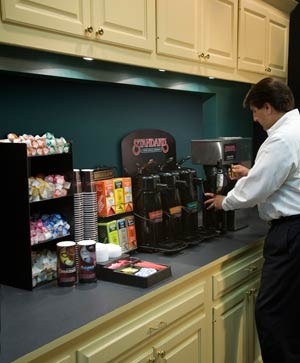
<point x="127" y="187"/>
<point x="122" y="234"/>
<point x="108" y="232"/>
<point x="131" y="233"/>
<point x="119" y="195"/>
<point x="105" y="197"/>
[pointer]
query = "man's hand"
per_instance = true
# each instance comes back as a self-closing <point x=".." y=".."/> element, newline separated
<point x="237" y="171"/>
<point x="214" y="201"/>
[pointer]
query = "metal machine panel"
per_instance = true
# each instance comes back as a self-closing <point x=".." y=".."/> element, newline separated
<point x="227" y="149"/>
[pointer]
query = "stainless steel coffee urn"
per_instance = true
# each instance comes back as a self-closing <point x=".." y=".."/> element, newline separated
<point x="216" y="156"/>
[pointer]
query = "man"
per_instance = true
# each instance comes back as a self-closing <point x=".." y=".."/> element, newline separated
<point x="273" y="184"/>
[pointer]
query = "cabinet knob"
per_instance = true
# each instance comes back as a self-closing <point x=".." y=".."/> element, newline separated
<point x="160" y="326"/>
<point x="151" y="360"/>
<point x="100" y="31"/>
<point x="204" y="56"/>
<point x="268" y="69"/>
<point x="161" y="353"/>
<point x="89" y="29"/>
<point x="251" y="291"/>
<point x="251" y="268"/>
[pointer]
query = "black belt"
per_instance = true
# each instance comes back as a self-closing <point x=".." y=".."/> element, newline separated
<point x="284" y="219"/>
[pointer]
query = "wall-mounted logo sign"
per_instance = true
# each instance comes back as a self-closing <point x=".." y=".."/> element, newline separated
<point x="149" y="148"/>
<point x="150" y="145"/>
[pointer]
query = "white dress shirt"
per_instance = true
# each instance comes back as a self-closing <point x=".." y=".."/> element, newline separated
<point x="273" y="183"/>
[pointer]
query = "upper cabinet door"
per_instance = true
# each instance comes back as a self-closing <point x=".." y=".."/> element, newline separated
<point x="278" y="46"/>
<point x="129" y="23"/>
<point x="263" y="40"/>
<point x="199" y="30"/>
<point x="178" y="28"/>
<point x="220" y="31"/>
<point x="252" y="37"/>
<point x="125" y="22"/>
<point x="63" y="16"/>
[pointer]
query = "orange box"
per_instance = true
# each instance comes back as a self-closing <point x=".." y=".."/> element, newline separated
<point x="105" y="197"/>
<point x="131" y="233"/>
<point x="127" y="190"/>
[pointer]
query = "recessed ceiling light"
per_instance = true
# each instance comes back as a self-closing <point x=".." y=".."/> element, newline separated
<point x="211" y="77"/>
<point x="88" y="58"/>
<point x="161" y="70"/>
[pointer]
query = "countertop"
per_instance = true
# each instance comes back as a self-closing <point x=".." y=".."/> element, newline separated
<point x="31" y="319"/>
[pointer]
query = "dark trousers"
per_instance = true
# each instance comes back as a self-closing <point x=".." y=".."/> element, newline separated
<point x="278" y="303"/>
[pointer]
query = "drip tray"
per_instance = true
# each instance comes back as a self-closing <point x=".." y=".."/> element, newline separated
<point x="201" y="235"/>
<point x="166" y="247"/>
<point x="171" y="247"/>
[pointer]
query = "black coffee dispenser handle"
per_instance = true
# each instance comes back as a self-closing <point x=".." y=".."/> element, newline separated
<point x="182" y="161"/>
<point x="181" y="184"/>
<point x="160" y="187"/>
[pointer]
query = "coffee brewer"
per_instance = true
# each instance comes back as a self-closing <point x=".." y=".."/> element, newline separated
<point x="216" y="156"/>
<point x="157" y="212"/>
<point x="148" y="208"/>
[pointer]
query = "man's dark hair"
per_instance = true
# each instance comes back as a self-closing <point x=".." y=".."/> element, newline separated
<point x="272" y="91"/>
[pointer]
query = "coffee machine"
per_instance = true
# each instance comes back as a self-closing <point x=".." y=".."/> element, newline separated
<point x="216" y="156"/>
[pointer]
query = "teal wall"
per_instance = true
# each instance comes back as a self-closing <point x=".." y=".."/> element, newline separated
<point x="95" y="104"/>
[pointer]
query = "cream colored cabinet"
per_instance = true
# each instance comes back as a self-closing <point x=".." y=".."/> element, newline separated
<point x="263" y="39"/>
<point x="129" y="23"/>
<point x="184" y="341"/>
<point x="254" y="353"/>
<point x="199" y="30"/>
<point x="229" y="329"/>
<point x="234" y="291"/>
<point x="166" y="329"/>
<point x="206" y="316"/>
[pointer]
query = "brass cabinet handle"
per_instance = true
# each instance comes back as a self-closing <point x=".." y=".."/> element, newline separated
<point x="204" y="56"/>
<point x="161" y="353"/>
<point x="89" y="29"/>
<point x="151" y="360"/>
<point x="251" y="268"/>
<point x="161" y="325"/>
<point x="252" y="291"/>
<point x="100" y="31"/>
<point x="268" y="69"/>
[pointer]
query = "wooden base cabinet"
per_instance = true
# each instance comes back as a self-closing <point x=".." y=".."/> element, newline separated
<point x="170" y="328"/>
<point x="206" y="316"/>
<point x="235" y="289"/>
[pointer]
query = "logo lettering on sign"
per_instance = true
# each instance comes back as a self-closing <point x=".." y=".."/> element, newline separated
<point x="150" y="145"/>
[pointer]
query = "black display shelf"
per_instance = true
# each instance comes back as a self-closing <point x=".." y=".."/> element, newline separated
<point x="16" y="248"/>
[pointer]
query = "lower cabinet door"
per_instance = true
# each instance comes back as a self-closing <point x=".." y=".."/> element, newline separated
<point x="230" y="329"/>
<point x="254" y="352"/>
<point x="185" y="341"/>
